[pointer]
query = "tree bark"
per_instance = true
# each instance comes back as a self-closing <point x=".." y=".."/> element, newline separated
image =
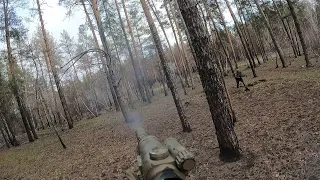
<point x="286" y="29"/>
<point x="257" y="37"/>
<point x="37" y="90"/>
<point x="276" y="45"/>
<point x="298" y="27"/>
<point x="135" y="49"/>
<point x="212" y="81"/>
<point x="243" y="41"/>
<point x="181" y="58"/>
<point x="154" y="10"/>
<point x="261" y="44"/>
<point x="74" y="84"/>
<point x="184" y="122"/>
<point x="225" y="50"/>
<point x="12" y="77"/>
<point x="6" y="129"/>
<point x="4" y="137"/>
<point x="55" y="110"/>
<point x="107" y="65"/>
<point x="45" y="104"/>
<point x="251" y="42"/>
<point x="29" y="118"/>
<point x="3" y="128"/>
<point x="187" y="32"/>
<point x="184" y="52"/>
<point x="246" y="36"/>
<point x="54" y="71"/>
<point x="9" y="130"/>
<point x="136" y="68"/>
<point x="114" y="97"/>
<point x="227" y="33"/>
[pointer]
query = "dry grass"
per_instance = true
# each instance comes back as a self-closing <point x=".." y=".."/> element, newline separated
<point x="278" y="129"/>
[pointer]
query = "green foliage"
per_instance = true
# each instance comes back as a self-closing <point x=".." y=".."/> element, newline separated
<point x="67" y="44"/>
<point x="5" y="94"/>
<point x="16" y="26"/>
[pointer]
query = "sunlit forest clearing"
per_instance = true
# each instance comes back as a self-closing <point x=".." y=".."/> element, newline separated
<point x="234" y="83"/>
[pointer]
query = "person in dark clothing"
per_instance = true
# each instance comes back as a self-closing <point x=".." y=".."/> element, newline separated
<point x="238" y="76"/>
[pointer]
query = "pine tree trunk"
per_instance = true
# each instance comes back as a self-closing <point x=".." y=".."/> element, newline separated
<point x="29" y="118"/>
<point x="286" y="29"/>
<point x="50" y="112"/>
<point x="294" y="37"/>
<point x="41" y="117"/>
<point x="6" y="129"/>
<point x="162" y="78"/>
<point x="34" y="118"/>
<point x="298" y="27"/>
<point x="23" y="98"/>
<point x="3" y="128"/>
<point x="257" y="37"/>
<point x="261" y="44"/>
<point x="6" y="140"/>
<point x="56" y="110"/>
<point x="38" y="103"/>
<point x="136" y="68"/>
<point x="54" y="71"/>
<point x="246" y="36"/>
<point x="46" y="111"/>
<point x="251" y="42"/>
<point x="181" y="59"/>
<point x="94" y="94"/>
<point x="276" y="45"/>
<point x="4" y="137"/>
<point x="225" y="50"/>
<point x="12" y="77"/>
<point x="135" y="49"/>
<point x="184" y="122"/>
<point x="143" y="56"/>
<point x="74" y="84"/>
<point x="77" y="96"/>
<point x="212" y="81"/>
<point x="117" y="53"/>
<point x="154" y="10"/>
<point x="114" y="97"/>
<point x="183" y="54"/>
<point x="187" y="32"/>
<point x="182" y="45"/>
<point x="292" y="34"/>
<point x="9" y="130"/>
<point x="107" y="64"/>
<point x="227" y="33"/>
<point x="295" y="33"/>
<point x="242" y="38"/>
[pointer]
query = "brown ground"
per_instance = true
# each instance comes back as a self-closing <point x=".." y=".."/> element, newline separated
<point x="278" y="129"/>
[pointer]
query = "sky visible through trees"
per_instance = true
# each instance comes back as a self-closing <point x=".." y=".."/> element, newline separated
<point x="57" y="19"/>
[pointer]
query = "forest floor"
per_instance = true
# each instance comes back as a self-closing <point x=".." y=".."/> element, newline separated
<point x="278" y="130"/>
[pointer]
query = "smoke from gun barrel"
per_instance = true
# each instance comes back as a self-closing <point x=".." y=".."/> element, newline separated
<point x="135" y="120"/>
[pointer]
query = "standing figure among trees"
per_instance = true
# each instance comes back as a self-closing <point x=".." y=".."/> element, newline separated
<point x="238" y="76"/>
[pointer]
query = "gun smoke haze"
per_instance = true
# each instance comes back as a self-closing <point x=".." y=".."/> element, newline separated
<point x="135" y="119"/>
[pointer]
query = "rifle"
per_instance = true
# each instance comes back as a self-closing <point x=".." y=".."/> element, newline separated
<point x="158" y="161"/>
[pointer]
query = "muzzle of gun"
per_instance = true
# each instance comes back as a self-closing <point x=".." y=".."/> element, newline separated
<point x="158" y="161"/>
